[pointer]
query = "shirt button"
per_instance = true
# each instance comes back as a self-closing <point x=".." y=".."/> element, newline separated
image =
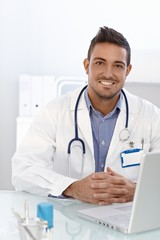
<point x="102" y="165"/>
<point x="102" y="142"/>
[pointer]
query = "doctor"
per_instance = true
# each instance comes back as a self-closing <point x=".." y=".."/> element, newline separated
<point x="88" y="144"/>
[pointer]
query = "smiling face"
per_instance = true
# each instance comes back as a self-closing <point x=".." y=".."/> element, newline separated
<point x="107" y="70"/>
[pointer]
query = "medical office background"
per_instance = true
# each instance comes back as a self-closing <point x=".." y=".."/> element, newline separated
<point x="51" y="38"/>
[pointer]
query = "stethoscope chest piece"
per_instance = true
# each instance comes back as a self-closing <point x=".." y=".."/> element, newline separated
<point x="124" y="134"/>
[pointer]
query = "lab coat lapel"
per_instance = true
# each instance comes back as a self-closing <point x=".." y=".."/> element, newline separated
<point x="115" y="141"/>
<point x="116" y="144"/>
<point x="85" y="126"/>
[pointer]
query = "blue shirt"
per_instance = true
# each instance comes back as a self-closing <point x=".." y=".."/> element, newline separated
<point x="102" y="131"/>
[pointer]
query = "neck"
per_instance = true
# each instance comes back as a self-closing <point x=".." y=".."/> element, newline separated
<point x="104" y="106"/>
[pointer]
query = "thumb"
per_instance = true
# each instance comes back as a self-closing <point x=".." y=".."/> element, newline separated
<point x="113" y="172"/>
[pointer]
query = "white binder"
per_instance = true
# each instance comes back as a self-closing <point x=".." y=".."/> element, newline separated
<point x="34" y="93"/>
<point x="25" y="95"/>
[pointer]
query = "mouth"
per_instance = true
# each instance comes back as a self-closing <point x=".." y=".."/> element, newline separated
<point x="106" y="83"/>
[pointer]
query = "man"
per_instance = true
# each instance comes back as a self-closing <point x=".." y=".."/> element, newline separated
<point x="111" y="137"/>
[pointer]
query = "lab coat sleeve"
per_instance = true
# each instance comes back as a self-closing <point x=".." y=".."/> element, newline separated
<point x="33" y="163"/>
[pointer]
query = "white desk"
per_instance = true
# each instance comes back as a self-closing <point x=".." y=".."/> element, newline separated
<point x="67" y="225"/>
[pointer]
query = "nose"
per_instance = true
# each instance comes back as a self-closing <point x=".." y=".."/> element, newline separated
<point x="108" y="72"/>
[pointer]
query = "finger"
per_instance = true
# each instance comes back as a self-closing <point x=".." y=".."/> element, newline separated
<point x="107" y="185"/>
<point x="108" y="178"/>
<point x="114" y="192"/>
<point x="109" y="170"/>
<point x="100" y="175"/>
<point x="111" y="201"/>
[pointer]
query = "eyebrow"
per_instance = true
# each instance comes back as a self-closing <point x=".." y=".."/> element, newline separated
<point x="99" y="58"/>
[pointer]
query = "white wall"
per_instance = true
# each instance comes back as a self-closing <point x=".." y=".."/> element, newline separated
<point x="48" y="37"/>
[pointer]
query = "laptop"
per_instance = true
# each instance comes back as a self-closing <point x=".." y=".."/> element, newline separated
<point x="143" y="213"/>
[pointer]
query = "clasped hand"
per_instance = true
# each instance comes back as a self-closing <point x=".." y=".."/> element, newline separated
<point x="102" y="188"/>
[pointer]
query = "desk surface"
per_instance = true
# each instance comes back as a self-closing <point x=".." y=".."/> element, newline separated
<point x="67" y="225"/>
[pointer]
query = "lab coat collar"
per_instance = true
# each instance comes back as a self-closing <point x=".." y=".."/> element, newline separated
<point x="74" y="96"/>
<point x="132" y="101"/>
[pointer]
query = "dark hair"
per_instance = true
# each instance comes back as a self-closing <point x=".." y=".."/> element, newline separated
<point x="109" y="35"/>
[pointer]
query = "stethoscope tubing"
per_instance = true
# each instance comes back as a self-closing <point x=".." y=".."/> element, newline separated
<point x="76" y="125"/>
<point x="124" y="133"/>
<point x="127" y="108"/>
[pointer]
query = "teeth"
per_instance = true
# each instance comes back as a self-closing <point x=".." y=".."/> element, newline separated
<point x="106" y="83"/>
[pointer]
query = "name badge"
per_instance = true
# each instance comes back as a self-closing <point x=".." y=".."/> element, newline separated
<point x="131" y="157"/>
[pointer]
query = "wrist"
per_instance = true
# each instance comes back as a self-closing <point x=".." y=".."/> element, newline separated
<point x="70" y="191"/>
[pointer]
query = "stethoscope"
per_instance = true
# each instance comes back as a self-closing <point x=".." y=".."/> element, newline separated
<point x="123" y="135"/>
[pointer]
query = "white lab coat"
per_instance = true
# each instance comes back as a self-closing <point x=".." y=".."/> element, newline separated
<point x="40" y="165"/>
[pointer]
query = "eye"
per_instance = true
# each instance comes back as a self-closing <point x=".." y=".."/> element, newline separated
<point x="119" y="66"/>
<point x="100" y="63"/>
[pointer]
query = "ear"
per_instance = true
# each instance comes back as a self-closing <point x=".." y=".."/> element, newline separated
<point x="86" y="65"/>
<point x="128" y="69"/>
